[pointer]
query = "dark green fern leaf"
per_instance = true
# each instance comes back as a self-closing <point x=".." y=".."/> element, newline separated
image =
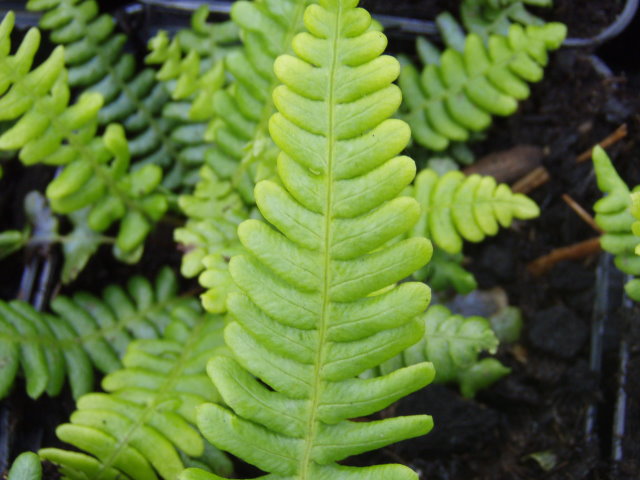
<point x="142" y="427"/>
<point x="613" y="216"/>
<point x="447" y="102"/>
<point x="457" y="208"/>
<point x="319" y="302"/>
<point x="486" y="17"/>
<point x="87" y="331"/>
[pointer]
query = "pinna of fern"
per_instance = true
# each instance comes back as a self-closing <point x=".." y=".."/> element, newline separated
<point x="47" y="130"/>
<point x="486" y="17"/>
<point x="26" y="467"/>
<point x="448" y="101"/>
<point x="143" y="426"/>
<point x="307" y="321"/>
<point x="85" y="332"/>
<point x="614" y="217"/>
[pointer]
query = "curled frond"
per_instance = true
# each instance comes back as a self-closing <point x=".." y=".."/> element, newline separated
<point x="319" y="301"/>
<point x="86" y="331"/>
<point x="48" y="130"/>
<point x="613" y="216"/>
<point x="142" y="427"/>
<point x="448" y="101"/>
<point x="457" y="208"/>
<point x="453" y="344"/>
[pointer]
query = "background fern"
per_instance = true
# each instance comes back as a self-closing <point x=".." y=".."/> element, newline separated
<point x="47" y="130"/>
<point x="87" y="331"/>
<point x="143" y="423"/>
<point x="447" y="102"/>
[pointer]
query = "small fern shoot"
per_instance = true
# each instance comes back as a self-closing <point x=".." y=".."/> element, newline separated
<point x="457" y="208"/>
<point x="142" y="427"/>
<point x="613" y="216"/>
<point x="446" y="102"/>
<point x="319" y="303"/>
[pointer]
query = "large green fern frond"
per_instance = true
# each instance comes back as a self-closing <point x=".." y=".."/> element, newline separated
<point x="87" y="331"/>
<point x="613" y="216"/>
<point x="49" y="130"/>
<point x="447" y="102"/>
<point x="457" y="208"/>
<point x="319" y="302"/>
<point x="142" y="427"/>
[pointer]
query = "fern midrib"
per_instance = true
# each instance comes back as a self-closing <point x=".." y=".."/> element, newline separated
<point x="318" y="384"/>
<point x="165" y="387"/>
<point x="262" y="129"/>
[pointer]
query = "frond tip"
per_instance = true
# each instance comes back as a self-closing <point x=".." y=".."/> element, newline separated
<point x="318" y="300"/>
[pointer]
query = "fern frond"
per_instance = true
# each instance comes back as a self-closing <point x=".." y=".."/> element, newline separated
<point x="210" y="239"/>
<point x="243" y="149"/>
<point x="191" y="67"/>
<point x="447" y="102"/>
<point x="445" y="271"/>
<point x="48" y="130"/>
<point x="457" y="208"/>
<point x="635" y="211"/>
<point x="613" y="216"/>
<point x="486" y="17"/>
<point x="87" y="331"/>
<point x="319" y="304"/>
<point x="26" y="467"/>
<point x="453" y="344"/>
<point x="97" y="63"/>
<point x="142" y="426"/>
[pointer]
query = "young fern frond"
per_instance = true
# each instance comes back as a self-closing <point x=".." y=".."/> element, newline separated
<point x="613" y="216"/>
<point x="447" y="102"/>
<point x="48" y="130"/>
<point x="142" y="427"/>
<point x="243" y="149"/>
<point x="26" y="467"/>
<point x="87" y="331"/>
<point x="319" y="302"/>
<point x="453" y="344"/>
<point x="457" y="208"/>
<point x="210" y="239"/>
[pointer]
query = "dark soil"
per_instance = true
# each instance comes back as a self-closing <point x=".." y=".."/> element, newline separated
<point x="553" y="417"/>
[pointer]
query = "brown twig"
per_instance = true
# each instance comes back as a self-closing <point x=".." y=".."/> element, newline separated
<point x="616" y="136"/>
<point x="573" y="252"/>
<point x="531" y="181"/>
<point x="581" y="212"/>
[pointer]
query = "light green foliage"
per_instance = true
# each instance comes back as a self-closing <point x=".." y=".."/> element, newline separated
<point x="486" y="17"/>
<point x="449" y="100"/>
<point x="210" y="239"/>
<point x="191" y="66"/>
<point x="453" y="344"/>
<point x="613" y="216"/>
<point x="319" y="302"/>
<point x="26" y="467"/>
<point x="97" y="63"/>
<point x="143" y="425"/>
<point x="456" y="208"/>
<point x="96" y="169"/>
<point x="243" y="149"/>
<point x="635" y="211"/>
<point x="87" y="331"/>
